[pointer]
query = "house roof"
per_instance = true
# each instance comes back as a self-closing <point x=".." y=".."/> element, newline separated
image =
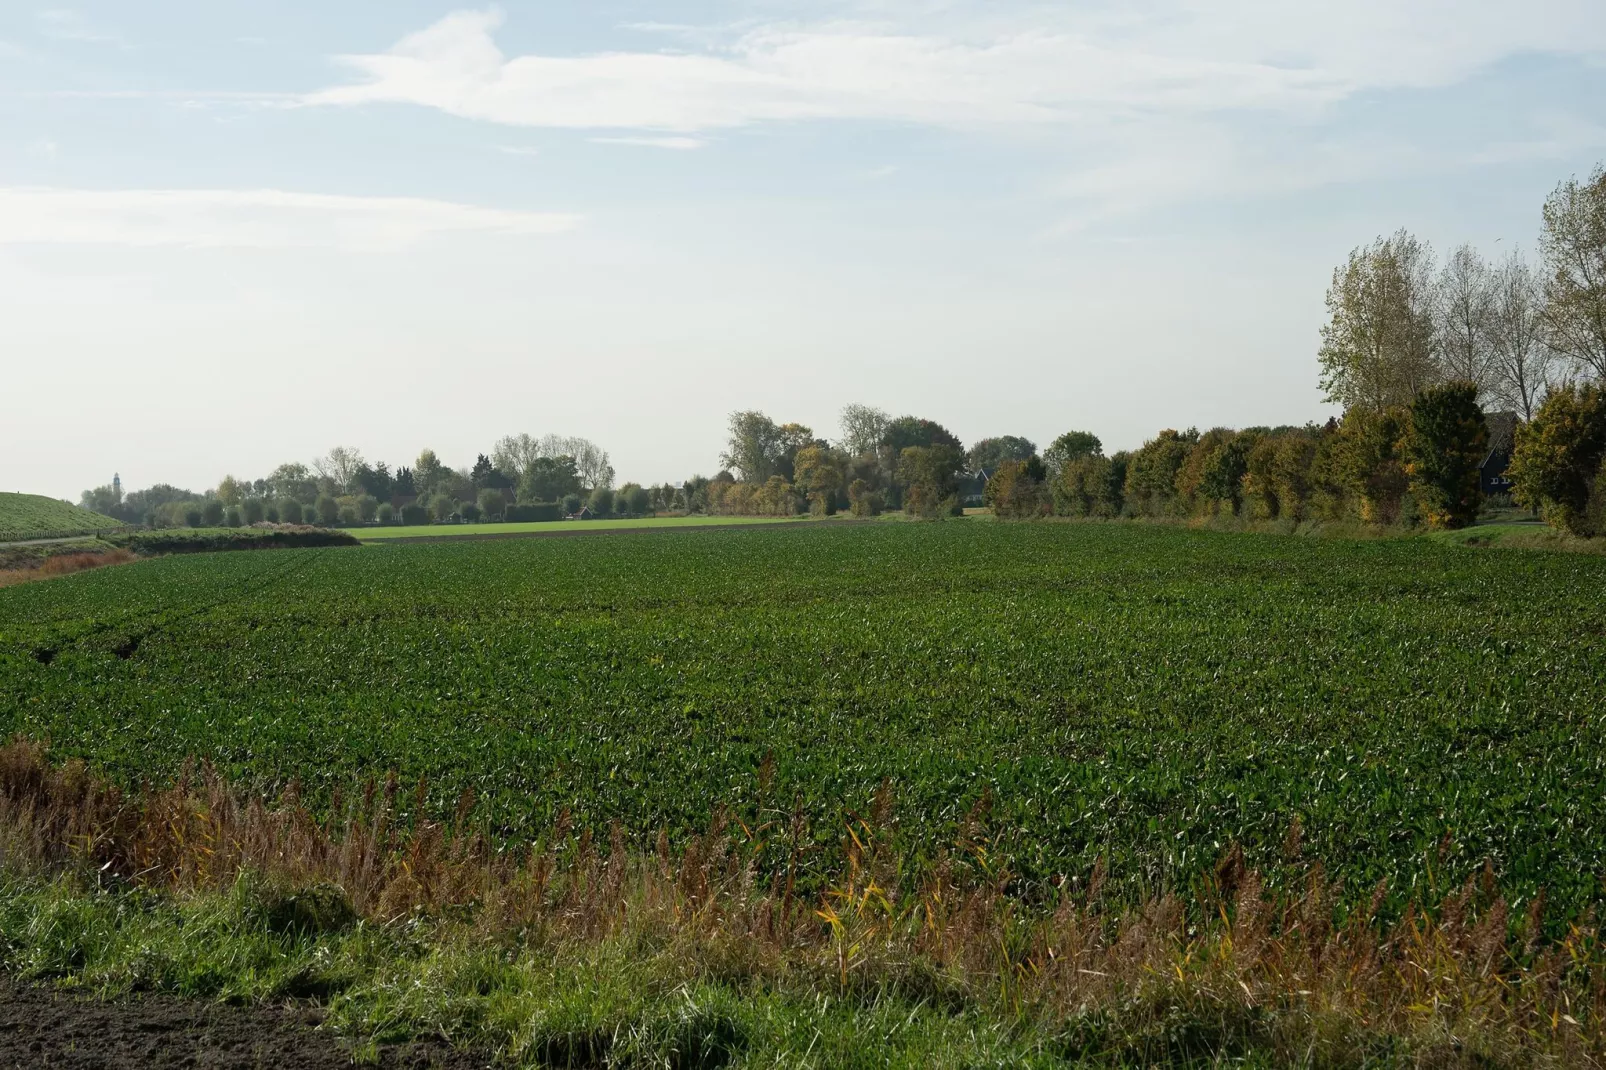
<point x="1502" y="431"/>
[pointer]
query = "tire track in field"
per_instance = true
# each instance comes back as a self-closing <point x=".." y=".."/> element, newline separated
<point x="163" y="619"/>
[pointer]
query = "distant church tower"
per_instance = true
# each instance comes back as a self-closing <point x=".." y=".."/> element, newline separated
<point x="117" y="486"/>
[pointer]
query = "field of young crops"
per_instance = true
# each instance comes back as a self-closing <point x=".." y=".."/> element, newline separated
<point x="1148" y="694"/>
<point x="32" y="516"/>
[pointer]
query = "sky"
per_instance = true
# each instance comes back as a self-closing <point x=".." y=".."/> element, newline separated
<point x="236" y="234"/>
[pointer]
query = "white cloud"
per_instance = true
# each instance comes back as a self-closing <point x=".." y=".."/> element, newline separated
<point x="249" y="218"/>
<point x="519" y="150"/>
<point x="682" y="143"/>
<point x="786" y="74"/>
<point x="1174" y="57"/>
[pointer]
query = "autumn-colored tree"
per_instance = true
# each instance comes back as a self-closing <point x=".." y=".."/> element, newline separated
<point x="1573" y="244"/>
<point x="1278" y="475"/>
<point x="819" y="475"/>
<point x="1378" y="344"/>
<point x="1559" y="463"/>
<point x="1017" y="490"/>
<point x="1369" y="463"/>
<point x="927" y="473"/>
<point x="1151" y="476"/>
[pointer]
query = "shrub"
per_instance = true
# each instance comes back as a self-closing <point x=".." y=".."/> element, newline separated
<point x="1151" y="475"/>
<point x="601" y="501"/>
<point x="212" y="514"/>
<point x="193" y="516"/>
<point x="1277" y="475"/>
<point x="491" y="503"/>
<point x="776" y="497"/>
<point x="572" y="504"/>
<point x="928" y="474"/>
<point x="1368" y="462"/>
<point x="1559" y="463"/>
<point x="1445" y="445"/>
<point x="862" y="501"/>
<point x="386" y="513"/>
<point x="442" y="507"/>
<point x="1017" y="491"/>
<point x="637" y="500"/>
<point x="327" y="509"/>
<point x="414" y="515"/>
<point x="533" y="512"/>
<point x="348" y="514"/>
<point x="367" y="507"/>
<point x="1090" y="485"/>
<point x="185" y="542"/>
<point x="1221" y="476"/>
<point x="253" y="511"/>
<point x="469" y="511"/>
<point x="231" y="517"/>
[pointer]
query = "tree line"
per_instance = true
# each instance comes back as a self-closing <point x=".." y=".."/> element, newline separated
<point x="1441" y="369"/>
<point x="539" y="477"/>
<point x="1437" y="366"/>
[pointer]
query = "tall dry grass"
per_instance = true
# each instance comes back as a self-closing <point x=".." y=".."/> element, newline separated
<point x="1457" y="982"/>
<point x="64" y="565"/>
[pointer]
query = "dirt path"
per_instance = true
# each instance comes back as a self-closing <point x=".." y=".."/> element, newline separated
<point x="40" y="1028"/>
<point x="53" y="540"/>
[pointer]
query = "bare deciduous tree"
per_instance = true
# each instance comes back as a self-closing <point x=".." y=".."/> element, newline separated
<point x="862" y="428"/>
<point x="1521" y="357"/>
<point x="590" y="460"/>
<point x="339" y="465"/>
<point x="1461" y="308"/>
<point x="1378" y="346"/>
<point x="1573" y="244"/>
<point x="513" y="455"/>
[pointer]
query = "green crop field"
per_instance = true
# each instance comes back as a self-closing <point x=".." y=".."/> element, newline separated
<point x="32" y="516"/>
<point x="1149" y="694"/>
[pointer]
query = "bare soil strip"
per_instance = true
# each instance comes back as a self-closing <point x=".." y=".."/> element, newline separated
<point x="39" y="1027"/>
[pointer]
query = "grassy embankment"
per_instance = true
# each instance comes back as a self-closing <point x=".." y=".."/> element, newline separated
<point x="34" y="516"/>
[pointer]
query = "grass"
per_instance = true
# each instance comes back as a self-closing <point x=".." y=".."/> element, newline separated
<point x="1520" y="535"/>
<point x="34" y="516"/>
<point x="1141" y="694"/>
<point x="563" y="527"/>
<point x="569" y="953"/>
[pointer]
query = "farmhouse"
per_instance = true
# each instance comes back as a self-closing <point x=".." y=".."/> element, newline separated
<point x="1492" y="477"/>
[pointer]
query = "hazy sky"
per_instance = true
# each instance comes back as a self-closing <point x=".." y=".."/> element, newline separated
<point x="234" y="234"/>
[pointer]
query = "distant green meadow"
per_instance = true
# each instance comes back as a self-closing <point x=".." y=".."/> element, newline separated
<point x="560" y="527"/>
<point x="1146" y="694"/>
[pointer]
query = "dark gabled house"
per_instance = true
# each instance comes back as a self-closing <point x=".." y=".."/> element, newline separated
<point x="1502" y="437"/>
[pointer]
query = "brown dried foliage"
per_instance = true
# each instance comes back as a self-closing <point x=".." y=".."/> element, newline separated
<point x="64" y="565"/>
<point x="1462" y="983"/>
